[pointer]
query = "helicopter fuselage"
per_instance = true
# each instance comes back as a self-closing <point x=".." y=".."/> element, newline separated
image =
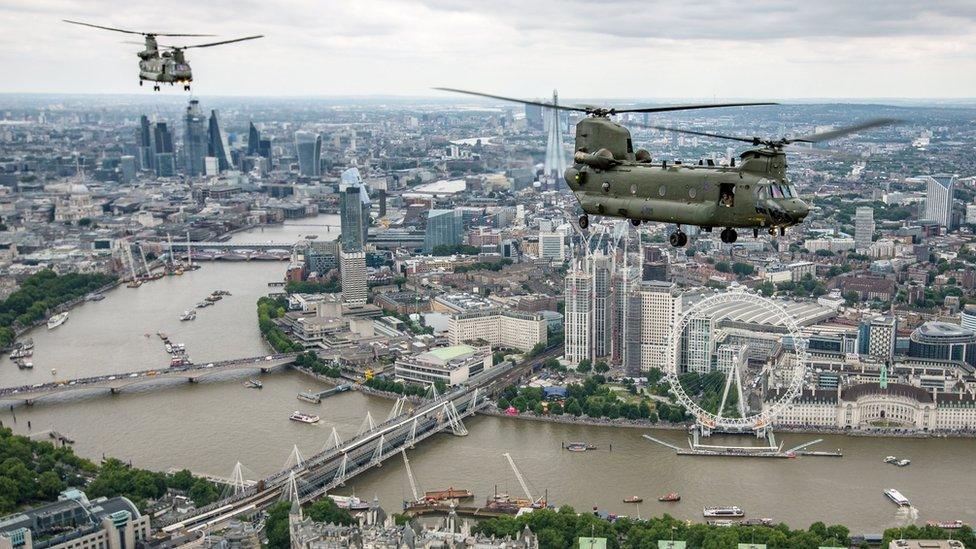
<point x="613" y="182"/>
<point x="164" y="68"/>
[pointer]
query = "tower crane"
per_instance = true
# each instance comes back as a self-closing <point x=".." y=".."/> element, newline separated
<point x="521" y="479"/>
<point x="413" y="481"/>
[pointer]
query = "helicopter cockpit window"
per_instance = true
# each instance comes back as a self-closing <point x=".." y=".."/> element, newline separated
<point x="788" y="191"/>
<point x="777" y="192"/>
<point x="763" y="192"/>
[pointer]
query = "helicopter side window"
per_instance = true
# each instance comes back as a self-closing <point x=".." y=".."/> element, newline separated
<point x="763" y="192"/>
<point x="788" y="191"/>
<point x="726" y="195"/>
<point x="777" y="191"/>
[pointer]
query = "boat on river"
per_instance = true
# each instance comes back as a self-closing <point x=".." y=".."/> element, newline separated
<point x="633" y="499"/>
<point x="723" y="512"/>
<point x="670" y="496"/>
<point x="57" y="320"/>
<point x="303" y="417"/>
<point x="579" y="447"/>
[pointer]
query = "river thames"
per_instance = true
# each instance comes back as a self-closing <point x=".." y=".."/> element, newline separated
<point x="209" y="426"/>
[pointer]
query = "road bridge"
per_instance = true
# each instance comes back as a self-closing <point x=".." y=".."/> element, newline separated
<point x="341" y="461"/>
<point x="115" y="383"/>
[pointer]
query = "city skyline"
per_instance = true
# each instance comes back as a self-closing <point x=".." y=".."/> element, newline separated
<point x="404" y="48"/>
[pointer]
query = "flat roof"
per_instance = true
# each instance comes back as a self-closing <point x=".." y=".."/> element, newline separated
<point x="450" y="353"/>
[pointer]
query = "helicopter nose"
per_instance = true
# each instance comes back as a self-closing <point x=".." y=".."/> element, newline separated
<point x="799" y="210"/>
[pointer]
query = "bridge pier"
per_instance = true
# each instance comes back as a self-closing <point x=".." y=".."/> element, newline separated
<point x="115" y="390"/>
<point x="264" y="370"/>
<point x="191" y="379"/>
<point x="28" y="402"/>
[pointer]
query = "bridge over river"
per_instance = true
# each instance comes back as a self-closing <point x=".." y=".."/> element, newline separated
<point x="115" y="383"/>
<point x="312" y="478"/>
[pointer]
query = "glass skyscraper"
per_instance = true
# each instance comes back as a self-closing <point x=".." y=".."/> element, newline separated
<point x="217" y="143"/>
<point x="194" y="139"/>
<point x="354" y="211"/>
<point x="308" y="145"/>
<point x="253" y="140"/>
<point x="163" y="158"/>
<point x="444" y="228"/>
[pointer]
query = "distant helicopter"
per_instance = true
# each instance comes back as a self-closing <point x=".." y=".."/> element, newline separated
<point x="609" y="178"/>
<point x="169" y="66"/>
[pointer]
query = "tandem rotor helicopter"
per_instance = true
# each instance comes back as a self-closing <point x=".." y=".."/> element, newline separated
<point x="171" y="65"/>
<point x="609" y="178"/>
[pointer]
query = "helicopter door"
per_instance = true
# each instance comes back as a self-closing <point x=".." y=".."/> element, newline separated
<point x="726" y="195"/>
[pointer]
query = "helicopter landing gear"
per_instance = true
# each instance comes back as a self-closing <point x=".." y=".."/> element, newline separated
<point x="156" y="87"/>
<point x="584" y="221"/>
<point x="140" y="82"/>
<point x="782" y="231"/>
<point x="635" y="222"/>
<point x="186" y="87"/>
<point x="755" y="233"/>
<point x="729" y="235"/>
<point x="678" y="239"/>
<point x="772" y="231"/>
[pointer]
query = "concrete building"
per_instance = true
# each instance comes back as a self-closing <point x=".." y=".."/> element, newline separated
<point x="943" y="341"/>
<point x="352" y="272"/>
<point x="881" y="335"/>
<point x="74" y="522"/>
<point x="659" y="309"/>
<point x="863" y="228"/>
<point x="939" y="194"/>
<point x="868" y="405"/>
<point x="499" y="328"/>
<point x="578" y="319"/>
<point x="601" y="269"/>
<point x="452" y="365"/>
<point x="551" y="247"/>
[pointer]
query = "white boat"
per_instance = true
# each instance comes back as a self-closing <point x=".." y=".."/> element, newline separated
<point x="303" y="417"/>
<point x="188" y="315"/>
<point x="57" y="320"/>
<point x="897" y="497"/>
<point x="732" y="511"/>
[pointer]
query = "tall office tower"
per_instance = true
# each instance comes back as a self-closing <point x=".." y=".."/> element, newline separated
<point x="939" y="194"/>
<point x="533" y="117"/>
<point x="128" y="166"/>
<point x="144" y="144"/>
<point x="264" y="149"/>
<point x="164" y="158"/>
<point x="881" y="332"/>
<point x="217" y="143"/>
<point x="352" y="274"/>
<point x="253" y="140"/>
<point x="659" y="306"/>
<point x="309" y="148"/>
<point x="600" y="266"/>
<point x="551" y="246"/>
<point x="444" y="228"/>
<point x="968" y="317"/>
<point x="555" y="163"/>
<point x="194" y="139"/>
<point x="863" y="228"/>
<point x="696" y="346"/>
<point x="354" y="212"/>
<point x="622" y="333"/>
<point x="578" y="315"/>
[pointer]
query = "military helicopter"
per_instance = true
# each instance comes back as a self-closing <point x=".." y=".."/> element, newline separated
<point x="609" y="178"/>
<point x="170" y="65"/>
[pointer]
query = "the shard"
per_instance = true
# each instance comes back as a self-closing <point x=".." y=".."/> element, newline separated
<point x="555" y="163"/>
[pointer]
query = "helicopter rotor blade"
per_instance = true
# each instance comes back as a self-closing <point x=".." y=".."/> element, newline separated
<point x="214" y="43"/>
<point x="670" y="108"/>
<point x="841" y="132"/>
<point x="522" y="101"/>
<point x="752" y="140"/>
<point x="131" y="31"/>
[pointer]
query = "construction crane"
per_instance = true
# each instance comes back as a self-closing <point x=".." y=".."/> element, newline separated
<point x="413" y="481"/>
<point x="521" y="479"/>
<point x="145" y="263"/>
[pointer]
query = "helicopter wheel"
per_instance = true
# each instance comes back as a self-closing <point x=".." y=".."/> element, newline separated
<point x="678" y="239"/>
<point x="584" y="221"/>
<point x="755" y="233"/>
<point x="729" y="235"/>
<point x="140" y="82"/>
<point x="156" y="87"/>
<point x="635" y="222"/>
<point x="772" y="231"/>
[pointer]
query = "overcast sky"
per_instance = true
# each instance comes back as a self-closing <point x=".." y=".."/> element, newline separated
<point x="595" y="48"/>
